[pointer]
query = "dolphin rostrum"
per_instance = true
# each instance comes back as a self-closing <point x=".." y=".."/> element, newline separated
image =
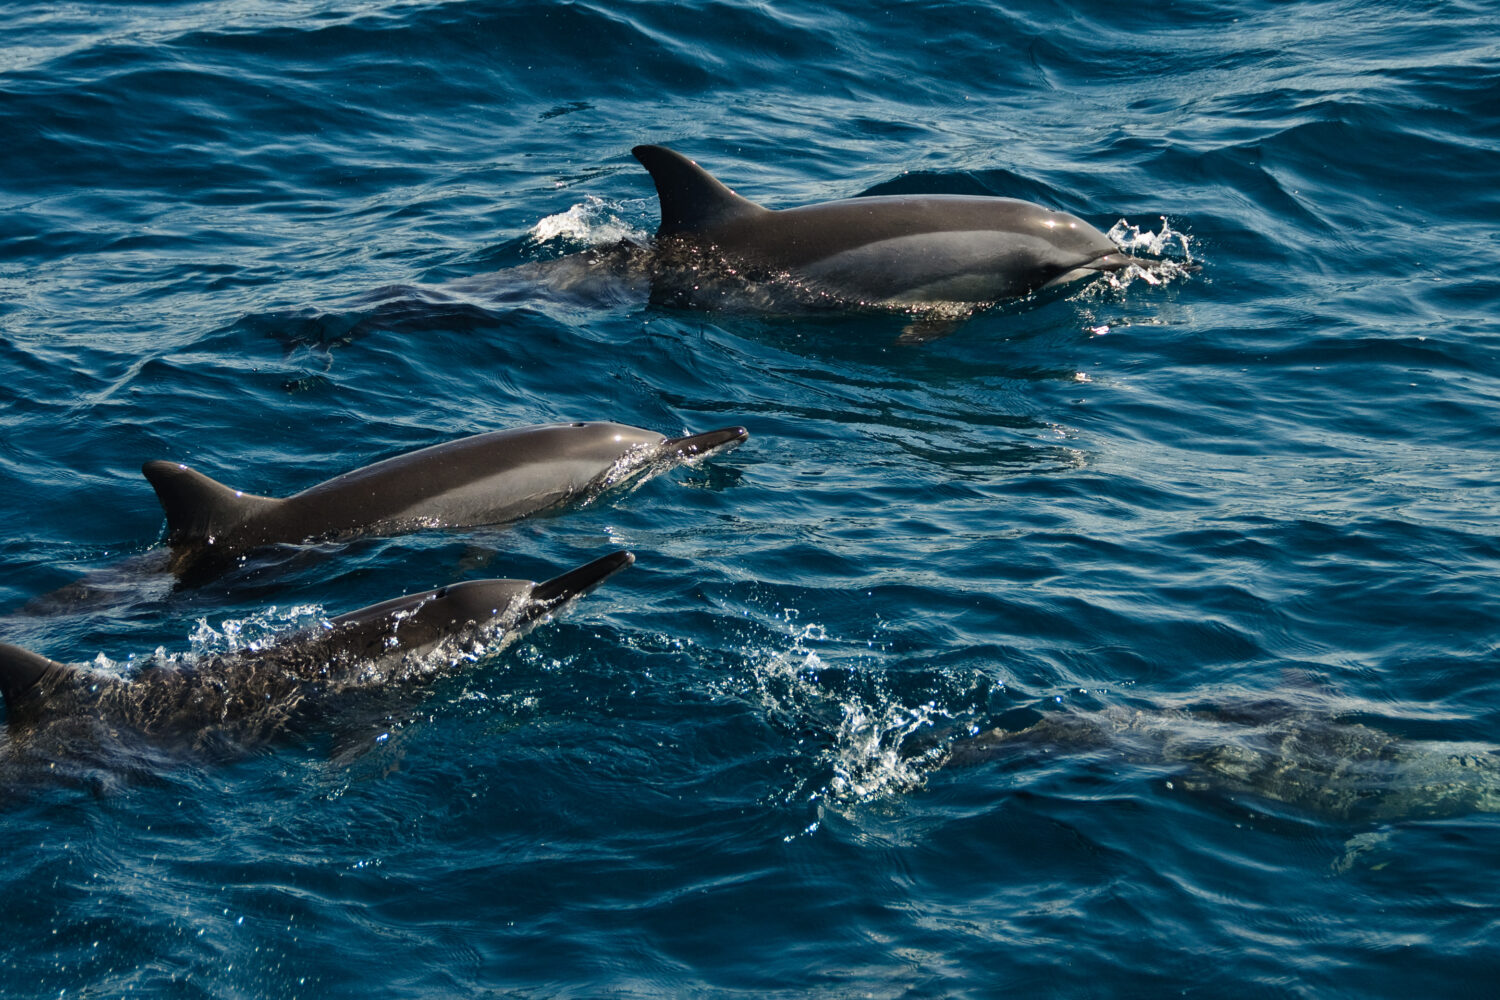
<point x="483" y="479"/>
<point x="252" y="693"/>
<point x="1272" y="749"/>
<point x="883" y="250"/>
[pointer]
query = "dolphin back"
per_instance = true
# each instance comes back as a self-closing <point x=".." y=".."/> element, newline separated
<point x="692" y="199"/>
<point x="22" y="671"/>
<point x="200" y="509"/>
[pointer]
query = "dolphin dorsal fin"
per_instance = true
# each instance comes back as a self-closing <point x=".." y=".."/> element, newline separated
<point x="197" y="507"/>
<point x="21" y="670"/>
<point x="691" y="198"/>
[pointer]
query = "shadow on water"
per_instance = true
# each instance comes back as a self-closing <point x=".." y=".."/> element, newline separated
<point x="402" y="310"/>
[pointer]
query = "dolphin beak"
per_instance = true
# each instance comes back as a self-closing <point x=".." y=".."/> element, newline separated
<point x="1113" y="262"/>
<point x="1116" y="262"/>
<point x="702" y="444"/>
<point x="1120" y="261"/>
<point x="577" y="582"/>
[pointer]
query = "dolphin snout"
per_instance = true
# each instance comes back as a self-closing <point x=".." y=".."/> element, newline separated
<point x="577" y="582"/>
<point x="1120" y="261"/>
<point x="702" y="444"/>
<point x="1116" y="262"/>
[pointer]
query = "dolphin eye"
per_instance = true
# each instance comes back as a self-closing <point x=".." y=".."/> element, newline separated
<point x="442" y="593"/>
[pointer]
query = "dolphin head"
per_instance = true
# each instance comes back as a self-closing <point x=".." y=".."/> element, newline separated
<point x="514" y="603"/>
<point x="624" y="453"/>
<point x="619" y="437"/>
<point x="474" y="609"/>
<point x="606" y="442"/>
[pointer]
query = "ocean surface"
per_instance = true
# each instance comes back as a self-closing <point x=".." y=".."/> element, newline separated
<point x="754" y="764"/>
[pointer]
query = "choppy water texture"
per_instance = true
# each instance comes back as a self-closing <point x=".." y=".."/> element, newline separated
<point x="721" y="774"/>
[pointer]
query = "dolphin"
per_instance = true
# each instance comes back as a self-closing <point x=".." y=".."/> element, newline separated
<point x="1283" y="750"/>
<point x="890" y="250"/>
<point x="483" y="479"/>
<point x="252" y="693"/>
<point x="939" y="256"/>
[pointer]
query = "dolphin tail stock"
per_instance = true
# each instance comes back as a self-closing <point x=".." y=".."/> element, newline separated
<point x="197" y="507"/>
<point x="22" y="671"/>
<point x="697" y="445"/>
<point x="577" y="582"/>
<point x="691" y="198"/>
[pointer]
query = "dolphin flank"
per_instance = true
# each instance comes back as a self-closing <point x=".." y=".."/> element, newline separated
<point x="482" y="479"/>
<point x="886" y="249"/>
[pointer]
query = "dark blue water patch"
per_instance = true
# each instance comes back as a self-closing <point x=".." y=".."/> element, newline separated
<point x="711" y="777"/>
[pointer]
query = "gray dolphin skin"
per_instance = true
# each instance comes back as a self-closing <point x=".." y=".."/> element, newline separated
<point x="1274" y="750"/>
<point x="251" y="694"/>
<point x="889" y="249"/>
<point x="483" y="479"/>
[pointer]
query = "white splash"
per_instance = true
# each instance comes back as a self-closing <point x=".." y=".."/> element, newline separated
<point x="634" y="463"/>
<point x="864" y="731"/>
<point x="1154" y="268"/>
<point x="592" y="222"/>
<point x="258" y="630"/>
<point x="867" y="755"/>
<point x="1133" y="239"/>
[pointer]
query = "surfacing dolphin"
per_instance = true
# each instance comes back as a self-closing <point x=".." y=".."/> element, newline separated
<point x="479" y="480"/>
<point x="247" y="696"/>
<point x="931" y="254"/>
<point x="1287" y="750"/>
<point x="879" y="250"/>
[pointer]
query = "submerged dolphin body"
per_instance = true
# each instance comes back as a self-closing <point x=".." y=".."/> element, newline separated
<point x="483" y="479"/>
<point x="248" y="695"/>
<point x="886" y="250"/>
<point x="1273" y="750"/>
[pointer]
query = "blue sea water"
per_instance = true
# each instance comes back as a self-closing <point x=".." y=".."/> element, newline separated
<point x="717" y="775"/>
